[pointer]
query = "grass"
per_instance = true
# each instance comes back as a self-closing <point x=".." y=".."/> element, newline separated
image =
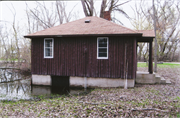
<point x="164" y="65"/>
<point x="171" y="65"/>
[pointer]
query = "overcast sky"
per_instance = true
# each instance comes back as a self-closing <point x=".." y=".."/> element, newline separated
<point x="20" y="8"/>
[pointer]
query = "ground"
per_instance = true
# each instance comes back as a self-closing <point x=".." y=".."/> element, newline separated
<point x="140" y="101"/>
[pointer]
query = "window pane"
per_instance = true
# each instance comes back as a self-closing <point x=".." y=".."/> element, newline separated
<point x="102" y="50"/>
<point x="102" y="42"/>
<point x="48" y="43"/>
<point x="48" y="51"/>
<point x="102" y="54"/>
<point x="103" y="45"/>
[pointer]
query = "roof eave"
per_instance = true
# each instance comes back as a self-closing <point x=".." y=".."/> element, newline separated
<point x="145" y="39"/>
<point x="81" y="35"/>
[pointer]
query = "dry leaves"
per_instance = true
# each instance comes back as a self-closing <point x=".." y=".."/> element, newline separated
<point x="140" y="101"/>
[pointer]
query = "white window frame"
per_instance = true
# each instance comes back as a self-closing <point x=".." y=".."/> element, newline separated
<point x="52" y="48"/>
<point x="98" y="48"/>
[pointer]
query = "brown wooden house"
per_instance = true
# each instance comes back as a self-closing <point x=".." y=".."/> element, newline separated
<point x="90" y="52"/>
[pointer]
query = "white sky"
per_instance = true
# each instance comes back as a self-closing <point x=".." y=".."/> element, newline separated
<point x="20" y="8"/>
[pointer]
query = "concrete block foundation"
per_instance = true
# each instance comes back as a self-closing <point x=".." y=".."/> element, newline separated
<point x="41" y="80"/>
<point x="84" y="81"/>
<point x="100" y="82"/>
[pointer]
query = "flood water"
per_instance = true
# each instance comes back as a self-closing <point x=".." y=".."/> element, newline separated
<point x="16" y="86"/>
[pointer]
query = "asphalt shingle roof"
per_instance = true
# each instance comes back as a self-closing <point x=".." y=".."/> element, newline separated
<point x="79" y="27"/>
<point x="147" y="33"/>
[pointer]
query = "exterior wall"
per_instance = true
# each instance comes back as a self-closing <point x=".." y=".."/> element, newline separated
<point x="77" y="56"/>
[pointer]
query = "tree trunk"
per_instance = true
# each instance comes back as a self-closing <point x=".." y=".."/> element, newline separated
<point x="103" y="7"/>
<point x="155" y="48"/>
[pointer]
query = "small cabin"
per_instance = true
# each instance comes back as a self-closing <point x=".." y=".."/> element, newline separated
<point x="89" y="52"/>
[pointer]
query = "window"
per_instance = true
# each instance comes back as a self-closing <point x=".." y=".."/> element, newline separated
<point x="48" y="47"/>
<point x="102" y="48"/>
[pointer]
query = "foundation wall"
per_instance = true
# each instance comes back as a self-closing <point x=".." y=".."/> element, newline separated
<point x="41" y="80"/>
<point x="85" y="81"/>
<point x="100" y="82"/>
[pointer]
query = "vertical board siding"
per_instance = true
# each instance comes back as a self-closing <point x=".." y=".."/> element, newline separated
<point x="32" y="56"/>
<point x="78" y="57"/>
<point x="134" y="58"/>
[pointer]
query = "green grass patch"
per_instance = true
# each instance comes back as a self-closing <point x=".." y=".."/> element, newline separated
<point x="142" y="65"/>
<point x="178" y="115"/>
<point x="177" y="98"/>
<point x="164" y="65"/>
<point x="12" y="59"/>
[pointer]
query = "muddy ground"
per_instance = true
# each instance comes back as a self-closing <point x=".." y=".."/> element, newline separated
<point x="140" y="101"/>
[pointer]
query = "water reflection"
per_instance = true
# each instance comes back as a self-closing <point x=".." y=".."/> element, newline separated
<point x="7" y="75"/>
<point x="15" y="90"/>
<point x="15" y="86"/>
<point x="47" y="90"/>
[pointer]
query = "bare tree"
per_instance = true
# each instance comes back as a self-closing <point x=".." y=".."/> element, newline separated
<point x="15" y="36"/>
<point x="167" y="17"/>
<point x="11" y="37"/>
<point x="4" y="42"/>
<point x="167" y="28"/>
<point x="1" y="45"/>
<point x="155" y="46"/>
<point x="88" y="7"/>
<point x="140" y="22"/>
<point x="45" y="17"/>
<point x="106" y="5"/>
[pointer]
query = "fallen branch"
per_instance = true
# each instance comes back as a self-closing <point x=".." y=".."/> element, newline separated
<point x="149" y="109"/>
<point x="93" y="103"/>
<point x="11" y="81"/>
<point x="9" y="68"/>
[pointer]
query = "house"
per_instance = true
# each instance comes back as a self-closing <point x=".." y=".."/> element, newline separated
<point x="89" y="52"/>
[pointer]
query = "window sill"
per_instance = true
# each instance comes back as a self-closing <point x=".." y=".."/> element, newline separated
<point x="102" y="58"/>
<point x="48" y="57"/>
